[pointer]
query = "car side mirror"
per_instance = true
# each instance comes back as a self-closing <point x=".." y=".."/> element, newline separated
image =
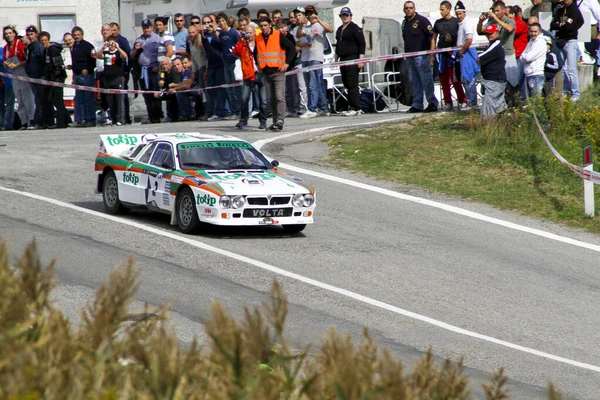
<point x="275" y="163"/>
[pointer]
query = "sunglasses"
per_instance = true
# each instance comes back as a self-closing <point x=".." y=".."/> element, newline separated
<point x="179" y="20"/>
<point x="196" y="22"/>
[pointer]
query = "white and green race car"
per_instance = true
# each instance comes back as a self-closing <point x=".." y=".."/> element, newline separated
<point x="200" y="179"/>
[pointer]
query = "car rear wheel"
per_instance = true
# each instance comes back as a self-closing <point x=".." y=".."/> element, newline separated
<point x="294" y="228"/>
<point x="187" y="216"/>
<point x="110" y="195"/>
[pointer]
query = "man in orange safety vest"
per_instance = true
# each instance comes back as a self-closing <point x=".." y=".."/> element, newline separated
<point x="274" y="53"/>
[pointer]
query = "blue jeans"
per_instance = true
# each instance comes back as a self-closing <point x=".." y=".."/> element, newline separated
<point x="535" y="84"/>
<point x="9" y="107"/>
<point x="316" y="97"/>
<point x="421" y="79"/>
<point x="234" y="94"/>
<point x="85" y="104"/>
<point x="247" y="90"/>
<point x="571" y="57"/>
<point x="215" y="98"/>
<point x="184" y="100"/>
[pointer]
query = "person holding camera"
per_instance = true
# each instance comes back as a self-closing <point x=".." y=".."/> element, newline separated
<point x="252" y="78"/>
<point x="113" y="57"/>
<point x="215" y="71"/>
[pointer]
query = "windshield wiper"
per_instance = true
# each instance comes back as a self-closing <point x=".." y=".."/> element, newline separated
<point x="246" y="166"/>
<point x="199" y="165"/>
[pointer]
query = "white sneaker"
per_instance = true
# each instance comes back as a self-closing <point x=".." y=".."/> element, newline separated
<point x="350" y="113"/>
<point x="323" y="113"/>
<point x="308" y="114"/>
<point x="215" y="118"/>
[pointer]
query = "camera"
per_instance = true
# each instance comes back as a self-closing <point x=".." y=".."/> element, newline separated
<point x="246" y="35"/>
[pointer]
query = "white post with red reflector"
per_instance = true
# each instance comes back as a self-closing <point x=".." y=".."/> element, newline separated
<point x="588" y="186"/>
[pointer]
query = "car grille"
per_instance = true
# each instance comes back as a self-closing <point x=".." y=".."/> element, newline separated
<point x="264" y="201"/>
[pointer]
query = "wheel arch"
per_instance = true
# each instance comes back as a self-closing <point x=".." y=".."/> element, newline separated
<point x="101" y="177"/>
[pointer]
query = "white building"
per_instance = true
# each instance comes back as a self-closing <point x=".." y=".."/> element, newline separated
<point x="59" y="16"/>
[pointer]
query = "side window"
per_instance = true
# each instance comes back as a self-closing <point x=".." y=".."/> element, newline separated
<point x="162" y="155"/>
<point x="146" y="156"/>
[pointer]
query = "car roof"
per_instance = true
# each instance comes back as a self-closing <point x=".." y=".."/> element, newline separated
<point x="186" y="137"/>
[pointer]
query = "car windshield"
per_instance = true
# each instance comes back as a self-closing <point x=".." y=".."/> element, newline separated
<point x="221" y="155"/>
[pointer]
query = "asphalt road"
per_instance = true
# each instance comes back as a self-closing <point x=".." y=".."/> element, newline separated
<point x="495" y="295"/>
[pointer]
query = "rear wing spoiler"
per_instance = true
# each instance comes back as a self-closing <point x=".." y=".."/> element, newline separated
<point x="123" y="144"/>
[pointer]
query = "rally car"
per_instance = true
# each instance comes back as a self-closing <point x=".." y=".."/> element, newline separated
<point x="200" y="179"/>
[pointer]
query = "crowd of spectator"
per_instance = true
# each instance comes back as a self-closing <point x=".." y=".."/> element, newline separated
<point x="521" y="60"/>
<point x="248" y="60"/>
<point x="248" y="57"/>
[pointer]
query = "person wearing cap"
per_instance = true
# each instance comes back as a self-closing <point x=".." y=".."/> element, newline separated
<point x="35" y="69"/>
<point x="14" y="60"/>
<point x="445" y="32"/>
<point x="274" y="53"/>
<point x="145" y="51"/>
<point x="466" y="66"/>
<point x="350" y="45"/>
<point x="566" y="21"/>
<point x="417" y="33"/>
<point x="83" y="64"/>
<point x="313" y="17"/>
<point x="493" y="74"/>
<point x="551" y="67"/>
<point x="506" y="25"/>
<point x="533" y="59"/>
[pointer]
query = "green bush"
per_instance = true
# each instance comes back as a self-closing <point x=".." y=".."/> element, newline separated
<point x="114" y="354"/>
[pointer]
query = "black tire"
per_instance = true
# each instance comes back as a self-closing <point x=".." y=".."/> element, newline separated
<point x="187" y="215"/>
<point x="110" y="195"/>
<point x="294" y="228"/>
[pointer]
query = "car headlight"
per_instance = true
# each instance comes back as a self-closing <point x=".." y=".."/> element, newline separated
<point x="298" y="200"/>
<point x="238" y="202"/>
<point x="309" y="200"/>
<point x="225" y="202"/>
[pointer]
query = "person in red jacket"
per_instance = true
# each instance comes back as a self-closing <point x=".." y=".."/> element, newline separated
<point x="244" y="50"/>
<point x="520" y="42"/>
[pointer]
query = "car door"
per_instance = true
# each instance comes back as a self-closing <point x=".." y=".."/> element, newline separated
<point x="158" y="190"/>
<point x="133" y="181"/>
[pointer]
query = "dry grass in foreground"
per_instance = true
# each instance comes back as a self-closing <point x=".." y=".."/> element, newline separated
<point x="110" y="357"/>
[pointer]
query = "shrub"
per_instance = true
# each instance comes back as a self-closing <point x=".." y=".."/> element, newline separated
<point x="114" y="354"/>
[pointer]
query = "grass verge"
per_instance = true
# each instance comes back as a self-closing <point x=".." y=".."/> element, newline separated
<point x="504" y="163"/>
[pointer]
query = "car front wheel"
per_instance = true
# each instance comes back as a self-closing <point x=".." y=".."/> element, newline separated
<point x="187" y="216"/>
<point x="110" y="195"/>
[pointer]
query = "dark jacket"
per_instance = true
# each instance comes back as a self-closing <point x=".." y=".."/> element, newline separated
<point x="124" y="44"/>
<point x="417" y="33"/>
<point x="566" y="20"/>
<point x="54" y="66"/>
<point x="35" y="60"/>
<point x="350" y="42"/>
<point x="492" y="62"/>
<point x="213" y="50"/>
<point x="81" y="57"/>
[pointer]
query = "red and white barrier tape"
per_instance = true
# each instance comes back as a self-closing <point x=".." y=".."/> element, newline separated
<point x="296" y="71"/>
<point x="591" y="176"/>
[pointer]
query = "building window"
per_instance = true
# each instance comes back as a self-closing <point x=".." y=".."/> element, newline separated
<point x="57" y="25"/>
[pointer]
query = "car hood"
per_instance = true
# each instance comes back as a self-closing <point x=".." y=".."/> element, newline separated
<point x="253" y="182"/>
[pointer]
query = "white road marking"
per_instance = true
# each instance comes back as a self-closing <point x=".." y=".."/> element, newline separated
<point x="457" y="210"/>
<point x="308" y="281"/>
